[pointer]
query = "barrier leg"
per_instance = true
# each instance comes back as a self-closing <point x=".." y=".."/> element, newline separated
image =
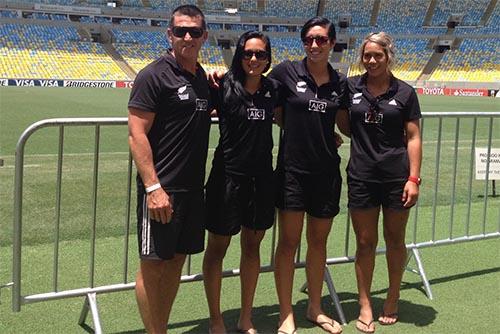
<point x="333" y="294"/>
<point x="327" y="278"/>
<point x="6" y="285"/>
<point x="91" y="303"/>
<point x="420" y="271"/>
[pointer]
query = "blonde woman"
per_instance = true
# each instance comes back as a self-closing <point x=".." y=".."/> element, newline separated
<point x="383" y="174"/>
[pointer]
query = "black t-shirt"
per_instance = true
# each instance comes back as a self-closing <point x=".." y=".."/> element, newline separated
<point x="246" y="141"/>
<point x="378" y="138"/>
<point x="179" y="134"/>
<point x="308" y="142"/>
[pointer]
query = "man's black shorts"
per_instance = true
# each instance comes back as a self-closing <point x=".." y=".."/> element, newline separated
<point x="233" y="201"/>
<point x="184" y="234"/>
<point x="365" y="195"/>
<point x="316" y="194"/>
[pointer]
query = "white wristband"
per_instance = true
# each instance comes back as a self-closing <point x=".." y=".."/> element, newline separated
<point x="152" y="188"/>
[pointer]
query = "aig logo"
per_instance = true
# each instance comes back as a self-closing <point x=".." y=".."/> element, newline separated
<point x="374" y="117"/>
<point x="256" y="114"/>
<point x="201" y="105"/>
<point x="317" y="106"/>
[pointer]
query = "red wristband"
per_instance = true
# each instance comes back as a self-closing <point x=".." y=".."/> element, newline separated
<point x="415" y="180"/>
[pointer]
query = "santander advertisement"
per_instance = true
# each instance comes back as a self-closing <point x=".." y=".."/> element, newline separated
<point x="453" y="91"/>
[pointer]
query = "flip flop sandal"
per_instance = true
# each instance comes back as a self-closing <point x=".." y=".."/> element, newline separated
<point x="390" y="315"/>
<point x="320" y="324"/>
<point x="367" y="326"/>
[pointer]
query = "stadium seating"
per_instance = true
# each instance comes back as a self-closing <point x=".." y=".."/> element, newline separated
<point x="360" y="10"/>
<point x="59" y="17"/>
<point x="34" y="51"/>
<point x="132" y="3"/>
<point x="411" y="58"/>
<point x="408" y="16"/>
<point x="472" y="10"/>
<point x="476" y="60"/>
<point x="8" y="13"/>
<point x="139" y="48"/>
<point x="248" y="6"/>
<point x="286" y="48"/>
<point x="58" y="52"/>
<point x="234" y="26"/>
<point x="214" y="4"/>
<point x="215" y="26"/>
<point x="291" y="8"/>
<point x="171" y="4"/>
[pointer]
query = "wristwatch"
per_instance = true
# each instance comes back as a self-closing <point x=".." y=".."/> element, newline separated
<point x="415" y="180"/>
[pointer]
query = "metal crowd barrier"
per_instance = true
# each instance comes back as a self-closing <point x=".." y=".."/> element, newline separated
<point x="416" y="241"/>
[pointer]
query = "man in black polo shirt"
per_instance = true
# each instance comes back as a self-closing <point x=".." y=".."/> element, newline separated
<point x="169" y="124"/>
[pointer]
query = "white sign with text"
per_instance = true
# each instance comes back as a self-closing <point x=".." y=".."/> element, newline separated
<point x="482" y="160"/>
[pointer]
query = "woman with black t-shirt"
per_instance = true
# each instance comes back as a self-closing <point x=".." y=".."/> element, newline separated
<point x="383" y="171"/>
<point x="239" y="190"/>
<point x="307" y="175"/>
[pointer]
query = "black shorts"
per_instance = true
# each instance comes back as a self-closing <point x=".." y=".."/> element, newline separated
<point x="365" y="195"/>
<point x="316" y="194"/>
<point x="233" y="201"/>
<point x="184" y="234"/>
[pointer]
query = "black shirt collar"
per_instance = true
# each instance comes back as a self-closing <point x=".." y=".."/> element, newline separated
<point x="361" y="85"/>
<point x="169" y="58"/>
<point x="303" y="72"/>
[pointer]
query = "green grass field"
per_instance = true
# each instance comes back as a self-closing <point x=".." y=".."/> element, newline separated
<point x="465" y="278"/>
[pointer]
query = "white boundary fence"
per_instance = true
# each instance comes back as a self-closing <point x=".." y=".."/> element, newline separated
<point x="422" y="231"/>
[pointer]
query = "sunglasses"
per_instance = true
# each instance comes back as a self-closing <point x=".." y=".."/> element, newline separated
<point x="259" y="55"/>
<point x="320" y="40"/>
<point x="194" y="32"/>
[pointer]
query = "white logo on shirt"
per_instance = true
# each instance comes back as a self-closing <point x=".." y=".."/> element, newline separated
<point x="301" y="86"/>
<point x="181" y="94"/>
<point x="356" y="101"/>
<point x="357" y="95"/>
<point x="201" y="104"/>
<point x="334" y="93"/>
<point x="256" y="114"/>
<point x="317" y="106"/>
<point x="268" y="94"/>
<point x="393" y="102"/>
<point x="374" y="117"/>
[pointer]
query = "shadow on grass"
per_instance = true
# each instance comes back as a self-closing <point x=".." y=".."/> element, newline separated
<point x="266" y="317"/>
<point x="419" y="285"/>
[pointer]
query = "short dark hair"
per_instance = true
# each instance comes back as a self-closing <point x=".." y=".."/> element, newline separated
<point x="318" y="21"/>
<point x="191" y="11"/>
